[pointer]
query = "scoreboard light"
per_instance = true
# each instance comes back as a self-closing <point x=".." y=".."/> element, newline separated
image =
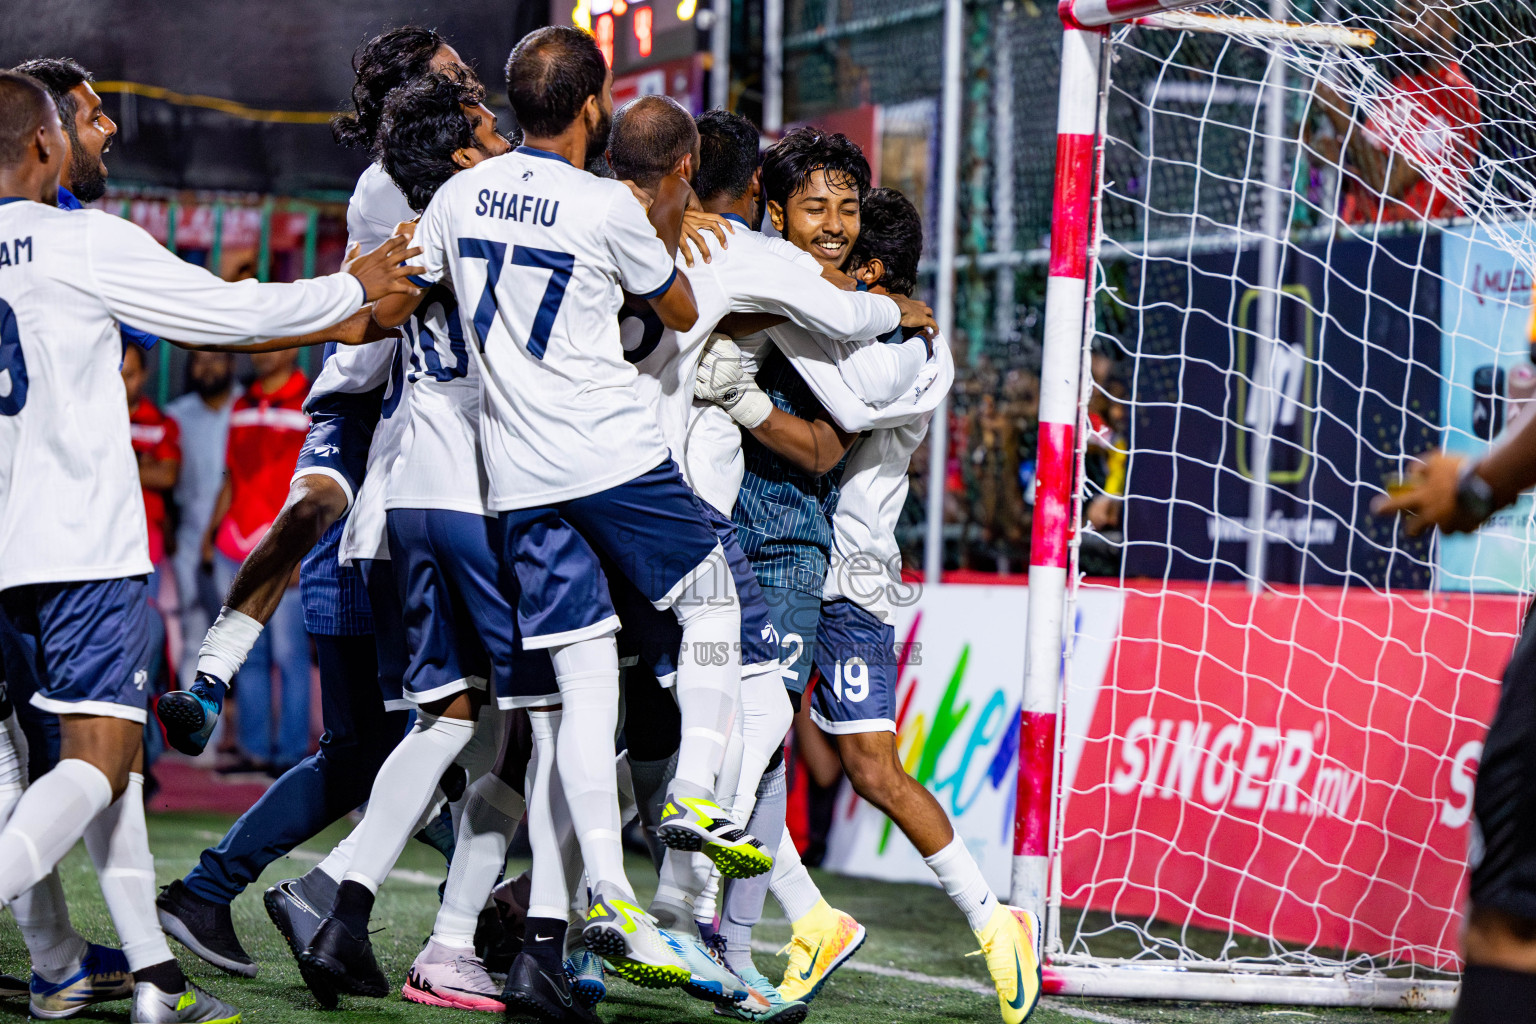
<point x="603" y="31"/>
<point x="643" y="30"/>
<point x="634" y="35"/>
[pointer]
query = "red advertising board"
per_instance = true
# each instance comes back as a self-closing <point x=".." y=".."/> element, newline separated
<point x="1297" y="764"/>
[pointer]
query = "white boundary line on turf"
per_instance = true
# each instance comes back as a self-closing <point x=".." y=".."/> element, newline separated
<point x="963" y="984"/>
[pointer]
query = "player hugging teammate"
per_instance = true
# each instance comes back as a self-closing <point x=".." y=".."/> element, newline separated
<point x="628" y="471"/>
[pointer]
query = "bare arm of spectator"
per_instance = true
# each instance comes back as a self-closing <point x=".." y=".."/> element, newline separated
<point x="1382" y="171"/>
<point x="158" y="474"/>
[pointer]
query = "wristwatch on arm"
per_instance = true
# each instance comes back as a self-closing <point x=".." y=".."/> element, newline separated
<point x="1474" y="495"/>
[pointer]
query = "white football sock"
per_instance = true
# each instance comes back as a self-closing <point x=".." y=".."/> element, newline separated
<point x="791" y="884"/>
<point x="478" y="756"/>
<point x="404" y="787"/>
<point x="629" y="808"/>
<point x="549" y="887"/>
<point x="227" y="644"/>
<point x="683" y="878"/>
<point x="339" y="859"/>
<point x="48" y="820"/>
<point x="707" y="694"/>
<point x="588" y="674"/>
<point x="118" y="841"/>
<point x="766" y="715"/>
<point x="491" y="812"/>
<point x="961" y="879"/>
<point x="729" y="780"/>
<point x="41" y="914"/>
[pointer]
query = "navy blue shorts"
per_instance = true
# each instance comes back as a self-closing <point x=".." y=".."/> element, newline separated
<point x="759" y="638"/>
<point x="654" y="638"/>
<point x="340" y="431"/>
<point x="457" y="595"/>
<point x="79" y="648"/>
<point x="796" y="615"/>
<point x="389" y="630"/>
<point x="856" y="656"/>
<point x="651" y="530"/>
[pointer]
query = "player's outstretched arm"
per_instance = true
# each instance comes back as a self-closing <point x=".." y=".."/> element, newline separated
<point x="1446" y="492"/>
<point x="385" y="270"/>
<point x="358" y="329"/>
<point x="142" y="283"/>
<point x="815" y="300"/>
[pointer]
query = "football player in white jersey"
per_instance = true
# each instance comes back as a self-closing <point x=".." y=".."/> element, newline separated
<point x="445" y="570"/>
<point x="750" y="274"/>
<point x="355" y="402"/>
<point x="72" y="560"/>
<point x="856" y="646"/>
<point x="540" y="253"/>
<point x="459" y="593"/>
<point x="325" y="485"/>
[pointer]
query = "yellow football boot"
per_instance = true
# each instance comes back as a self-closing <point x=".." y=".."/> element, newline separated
<point x="1008" y="942"/>
<point x="823" y="941"/>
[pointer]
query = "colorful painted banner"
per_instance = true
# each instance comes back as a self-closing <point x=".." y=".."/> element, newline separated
<point x="958" y="700"/>
<point x="1487" y="384"/>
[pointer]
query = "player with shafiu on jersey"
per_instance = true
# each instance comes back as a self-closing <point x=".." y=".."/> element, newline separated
<point x="73" y="549"/>
<point x="540" y="253"/>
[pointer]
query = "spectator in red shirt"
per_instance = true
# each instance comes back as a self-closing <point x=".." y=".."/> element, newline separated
<point x="267" y="425"/>
<point x="157" y="445"/>
<point x="1417" y="138"/>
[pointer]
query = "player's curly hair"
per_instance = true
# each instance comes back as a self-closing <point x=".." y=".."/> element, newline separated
<point x="382" y="64"/>
<point x="423" y="124"/>
<point x="790" y="162"/>
<point x="892" y="232"/>
<point x="59" y="75"/>
<point x="728" y="155"/>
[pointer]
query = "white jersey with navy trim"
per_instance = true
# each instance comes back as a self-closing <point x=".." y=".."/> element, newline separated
<point x="751" y="273"/>
<point x="70" y="504"/>
<point x="376" y="207"/>
<point x="439" y="464"/>
<point x="865" y="566"/>
<point x="540" y="253"/>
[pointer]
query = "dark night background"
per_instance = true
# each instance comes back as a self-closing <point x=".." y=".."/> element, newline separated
<point x="278" y="54"/>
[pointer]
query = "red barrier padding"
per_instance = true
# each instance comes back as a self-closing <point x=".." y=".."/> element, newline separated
<point x="1296" y="764"/>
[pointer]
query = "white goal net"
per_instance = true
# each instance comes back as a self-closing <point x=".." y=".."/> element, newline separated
<point x="1315" y="253"/>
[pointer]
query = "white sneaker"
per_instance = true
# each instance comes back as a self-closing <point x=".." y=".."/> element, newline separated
<point x="627" y="937"/>
<point x="455" y="978"/>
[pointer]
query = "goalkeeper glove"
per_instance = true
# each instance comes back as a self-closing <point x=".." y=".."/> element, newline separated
<point x="721" y="379"/>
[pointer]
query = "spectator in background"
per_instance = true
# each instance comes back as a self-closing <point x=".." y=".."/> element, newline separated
<point x="157" y="446"/>
<point x="1105" y="464"/>
<point x="1416" y="138"/>
<point x="267" y="425"/>
<point x="203" y="416"/>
